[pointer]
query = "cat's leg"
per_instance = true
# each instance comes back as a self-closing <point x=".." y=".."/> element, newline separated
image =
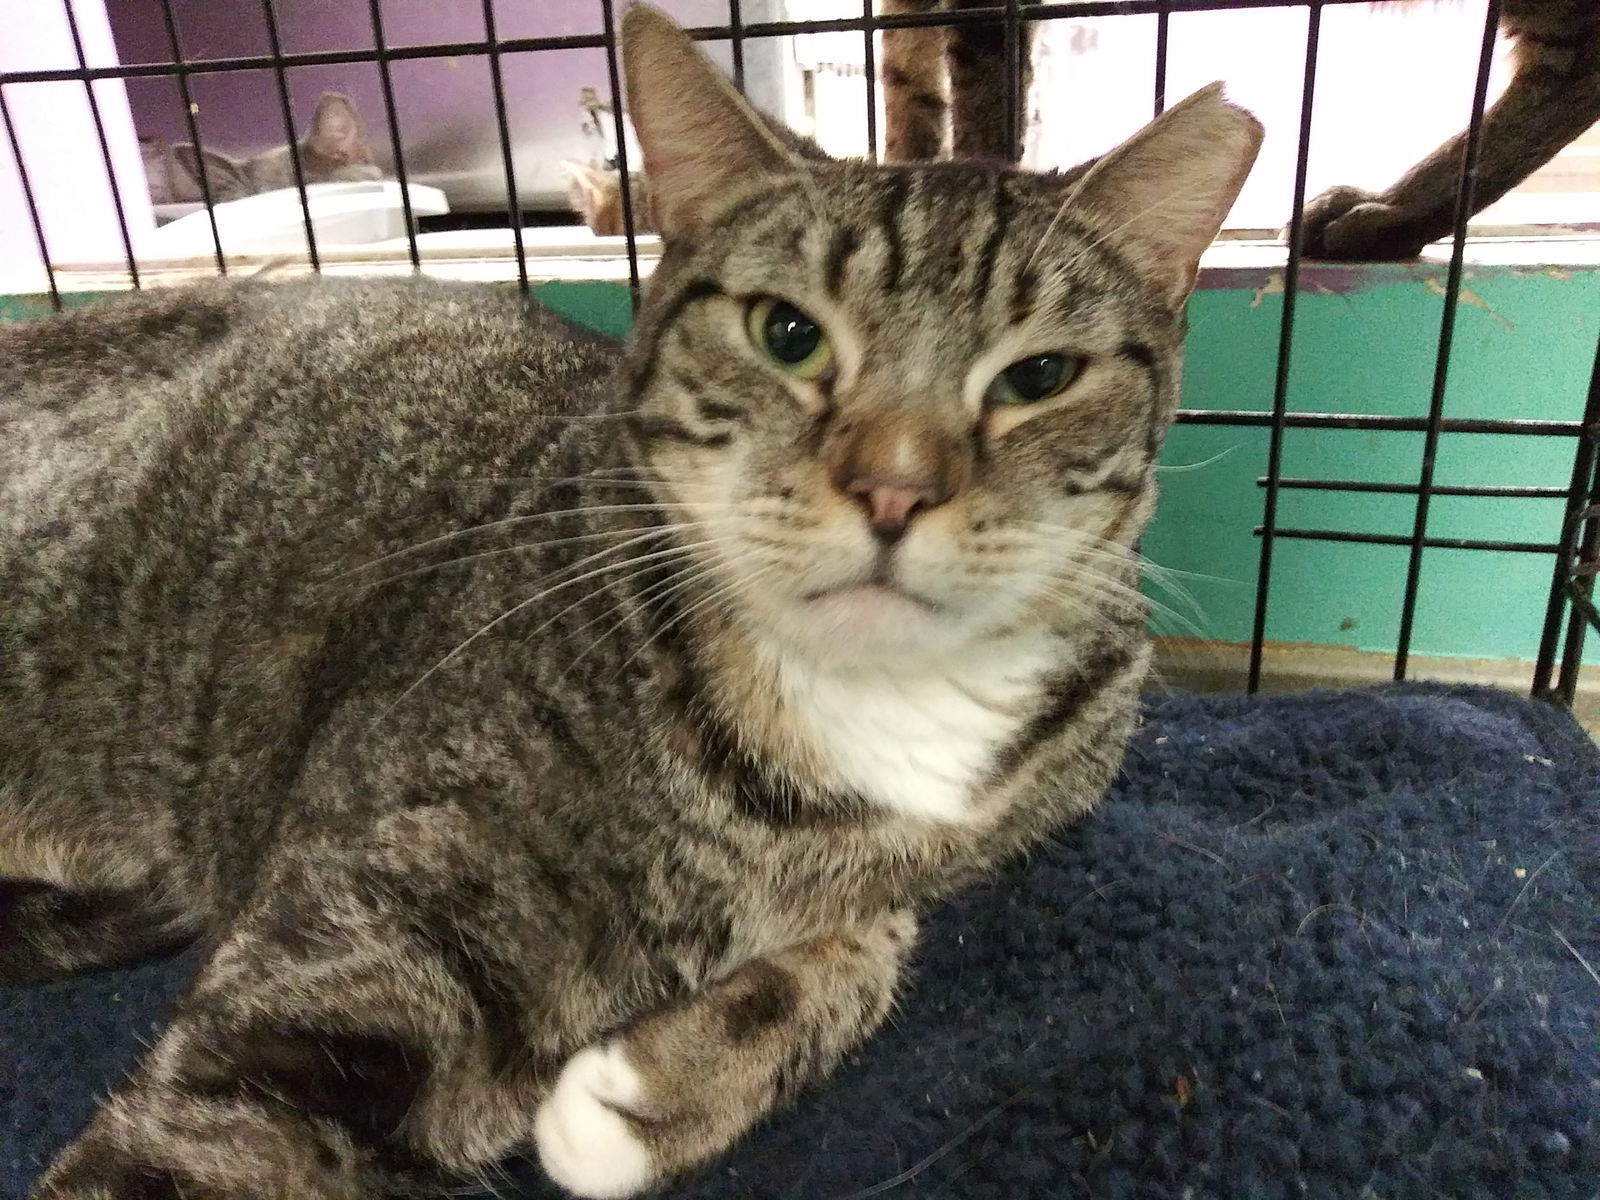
<point x="978" y="83"/>
<point x="47" y="932"/>
<point x="1552" y="98"/>
<point x="80" y="891"/>
<point x="343" y="1034"/>
<point x="915" y="86"/>
<point x="685" y="1083"/>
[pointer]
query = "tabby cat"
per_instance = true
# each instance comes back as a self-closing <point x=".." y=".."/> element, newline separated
<point x="934" y="77"/>
<point x="334" y="150"/>
<point x="550" y="744"/>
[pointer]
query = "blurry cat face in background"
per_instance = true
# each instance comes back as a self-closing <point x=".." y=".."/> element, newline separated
<point x="334" y="150"/>
<point x="595" y="194"/>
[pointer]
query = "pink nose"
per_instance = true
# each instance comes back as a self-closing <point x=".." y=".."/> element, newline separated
<point x="891" y="507"/>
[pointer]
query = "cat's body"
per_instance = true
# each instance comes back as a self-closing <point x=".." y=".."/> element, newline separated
<point x="105" y="483"/>
<point x="552" y="745"/>
<point x="945" y="88"/>
<point x="333" y="150"/>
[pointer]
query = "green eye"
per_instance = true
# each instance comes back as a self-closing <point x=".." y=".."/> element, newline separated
<point x="1035" y="378"/>
<point x="793" y="341"/>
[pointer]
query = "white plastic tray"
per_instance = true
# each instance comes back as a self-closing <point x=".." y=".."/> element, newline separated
<point x="342" y="214"/>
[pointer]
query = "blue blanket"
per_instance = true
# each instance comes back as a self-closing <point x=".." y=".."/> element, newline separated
<point x="1330" y="945"/>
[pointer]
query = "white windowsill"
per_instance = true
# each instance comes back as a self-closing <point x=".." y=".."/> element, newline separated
<point x="564" y="253"/>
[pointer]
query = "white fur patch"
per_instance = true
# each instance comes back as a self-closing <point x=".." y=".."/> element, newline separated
<point x="916" y="736"/>
<point x="584" y="1144"/>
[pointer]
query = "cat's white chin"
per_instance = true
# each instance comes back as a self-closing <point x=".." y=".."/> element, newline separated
<point x="870" y="614"/>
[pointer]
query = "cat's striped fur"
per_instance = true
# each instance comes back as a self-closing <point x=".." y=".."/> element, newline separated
<point x="550" y="749"/>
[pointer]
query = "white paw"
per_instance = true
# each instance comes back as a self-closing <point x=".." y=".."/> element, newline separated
<point x="584" y="1144"/>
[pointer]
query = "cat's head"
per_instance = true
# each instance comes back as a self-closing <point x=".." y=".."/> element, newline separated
<point x="595" y="194"/>
<point x="336" y="146"/>
<point x="909" y="408"/>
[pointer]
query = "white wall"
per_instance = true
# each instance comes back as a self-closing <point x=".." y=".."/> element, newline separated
<point x="61" y="148"/>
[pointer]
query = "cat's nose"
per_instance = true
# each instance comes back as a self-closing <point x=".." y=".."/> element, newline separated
<point x="895" y="470"/>
<point x="889" y="506"/>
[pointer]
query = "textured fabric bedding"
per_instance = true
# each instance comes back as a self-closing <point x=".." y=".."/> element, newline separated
<point x="1329" y="945"/>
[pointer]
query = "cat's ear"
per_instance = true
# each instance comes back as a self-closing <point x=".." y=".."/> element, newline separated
<point x="336" y="131"/>
<point x="1162" y="195"/>
<point x="698" y="135"/>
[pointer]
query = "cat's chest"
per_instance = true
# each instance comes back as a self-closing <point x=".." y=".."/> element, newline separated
<point x="915" y="739"/>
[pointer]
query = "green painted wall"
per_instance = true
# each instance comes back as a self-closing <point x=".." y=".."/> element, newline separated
<point x="1524" y="347"/>
<point x="1365" y="342"/>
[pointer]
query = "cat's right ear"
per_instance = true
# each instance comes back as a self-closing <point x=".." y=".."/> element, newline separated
<point x="700" y="138"/>
<point x="1163" y="194"/>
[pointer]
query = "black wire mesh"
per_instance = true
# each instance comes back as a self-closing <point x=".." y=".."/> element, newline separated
<point x="202" y="169"/>
<point x="1570" y="607"/>
<point x="1280" y="387"/>
<point x="503" y="129"/>
<point x="1447" y="328"/>
<point x="280" y="76"/>
<point x="870" y="50"/>
<point x="386" y="81"/>
<point x="105" y="145"/>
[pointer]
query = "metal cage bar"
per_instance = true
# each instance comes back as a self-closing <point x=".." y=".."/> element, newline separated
<point x="1447" y="329"/>
<point x="870" y="60"/>
<point x="280" y="75"/>
<point x="1582" y="495"/>
<point x="1163" y="30"/>
<point x="630" y="225"/>
<point x="1280" y="387"/>
<point x="1016" y="106"/>
<point x="202" y="173"/>
<point x="1406" y="539"/>
<point x="30" y="202"/>
<point x="1411" y="489"/>
<point x="736" y="38"/>
<point x="105" y="143"/>
<point x="1312" y="420"/>
<point x="1580" y="592"/>
<point x="386" y="84"/>
<point x="503" y="128"/>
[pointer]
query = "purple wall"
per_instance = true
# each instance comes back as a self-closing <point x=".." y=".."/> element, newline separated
<point x="445" y="106"/>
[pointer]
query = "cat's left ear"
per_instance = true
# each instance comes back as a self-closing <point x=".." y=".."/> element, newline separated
<point x="336" y="131"/>
<point x="1163" y="194"/>
<point x="700" y="138"/>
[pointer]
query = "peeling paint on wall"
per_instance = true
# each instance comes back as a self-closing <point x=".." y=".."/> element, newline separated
<point x="1272" y="287"/>
<point x="1469" y="297"/>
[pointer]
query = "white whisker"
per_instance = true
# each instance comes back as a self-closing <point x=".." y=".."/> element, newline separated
<point x="637" y="562"/>
<point x="1178" y="468"/>
<point x="522" y="519"/>
<point x="526" y="547"/>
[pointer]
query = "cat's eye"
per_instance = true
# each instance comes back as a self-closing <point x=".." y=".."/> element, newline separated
<point x="1035" y="378"/>
<point x="793" y="341"/>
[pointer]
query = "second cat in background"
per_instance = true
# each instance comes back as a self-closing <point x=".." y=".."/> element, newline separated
<point x="334" y="150"/>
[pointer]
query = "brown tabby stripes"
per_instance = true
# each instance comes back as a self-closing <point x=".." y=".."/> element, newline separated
<point x="551" y="743"/>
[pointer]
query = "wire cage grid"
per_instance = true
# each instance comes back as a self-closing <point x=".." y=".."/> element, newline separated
<point x="1570" y="608"/>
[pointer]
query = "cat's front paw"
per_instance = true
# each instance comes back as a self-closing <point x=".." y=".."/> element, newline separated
<point x="585" y="1129"/>
<point x="1349" y="225"/>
